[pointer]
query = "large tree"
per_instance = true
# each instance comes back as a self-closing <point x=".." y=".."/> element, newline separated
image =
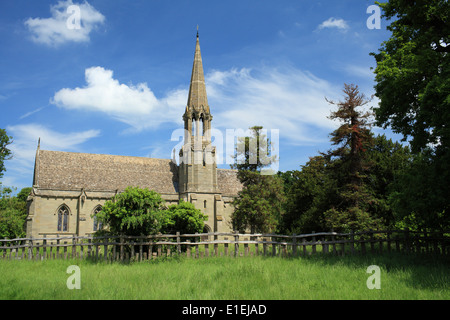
<point x="413" y="72"/>
<point x="348" y="163"/>
<point x="413" y="85"/>
<point x="258" y="207"/>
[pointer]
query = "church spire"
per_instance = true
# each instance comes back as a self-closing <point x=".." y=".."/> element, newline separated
<point x="197" y="100"/>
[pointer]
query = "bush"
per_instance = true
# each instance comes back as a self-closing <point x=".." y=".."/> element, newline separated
<point x="134" y="212"/>
<point x="185" y="218"/>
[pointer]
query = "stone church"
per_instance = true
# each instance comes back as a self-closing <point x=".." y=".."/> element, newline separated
<point x="70" y="188"/>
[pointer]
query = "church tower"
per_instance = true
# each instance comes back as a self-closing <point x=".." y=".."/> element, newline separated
<point x="198" y="169"/>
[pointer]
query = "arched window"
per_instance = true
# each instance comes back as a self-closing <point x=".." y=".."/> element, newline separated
<point x="63" y="218"/>
<point x="193" y="131"/>
<point x="202" y="125"/>
<point x="97" y="225"/>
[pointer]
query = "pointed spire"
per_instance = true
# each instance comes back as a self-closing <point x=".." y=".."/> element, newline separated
<point x="197" y="99"/>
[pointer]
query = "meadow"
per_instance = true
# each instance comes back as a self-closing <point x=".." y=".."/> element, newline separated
<point x="319" y="277"/>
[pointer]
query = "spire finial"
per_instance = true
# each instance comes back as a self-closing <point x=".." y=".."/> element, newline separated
<point x="197" y="31"/>
<point x="39" y="143"/>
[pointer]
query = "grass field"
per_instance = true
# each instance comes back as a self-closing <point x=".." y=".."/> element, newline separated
<point x="271" y="278"/>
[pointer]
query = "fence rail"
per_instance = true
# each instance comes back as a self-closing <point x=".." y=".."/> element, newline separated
<point x="198" y="245"/>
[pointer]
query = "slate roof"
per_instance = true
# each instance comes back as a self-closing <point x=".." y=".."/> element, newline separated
<point x="101" y="172"/>
<point x="58" y="170"/>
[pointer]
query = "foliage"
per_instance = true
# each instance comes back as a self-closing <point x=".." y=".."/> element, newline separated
<point x="13" y="213"/>
<point x="413" y="85"/>
<point x="351" y="187"/>
<point x="5" y="153"/>
<point x="135" y="211"/>
<point x="348" y="164"/>
<point x="413" y="72"/>
<point x="309" y="192"/>
<point x="258" y="206"/>
<point x="184" y="218"/>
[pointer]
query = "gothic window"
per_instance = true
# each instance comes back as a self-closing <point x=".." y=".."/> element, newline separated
<point x="97" y="225"/>
<point x="193" y="132"/>
<point x="63" y="218"/>
<point x="202" y="124"/>
<point x="204" y="204"/>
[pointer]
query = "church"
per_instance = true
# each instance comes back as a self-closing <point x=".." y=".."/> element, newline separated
<point x="70" y="188"/>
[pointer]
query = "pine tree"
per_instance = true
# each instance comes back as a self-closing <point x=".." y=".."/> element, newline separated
<point x="348" y="162"/>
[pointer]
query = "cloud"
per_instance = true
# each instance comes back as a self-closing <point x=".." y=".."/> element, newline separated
<point x="69" y="23"/>
<point x="334" y="23"/>
<point x="287" y="99"/>
<point x="135" y="105"/>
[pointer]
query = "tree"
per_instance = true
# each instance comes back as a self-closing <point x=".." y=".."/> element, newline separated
<point x="13" y="213"/>
<point x="258" y="206"/>
<point x="348" y="163"/>
<point x="388" y="162"/>
<point x="185" y="218"/>
<point x="5" y="153"/>
<point x="309" y="193"/>
<point x="135" y="212"/>
<point x="413" y="72"/>
<point x="413" y="85"/>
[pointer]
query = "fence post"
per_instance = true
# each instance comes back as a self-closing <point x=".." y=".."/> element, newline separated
<point x="178" y="243"/>
<point x="188" y="249"/>
<point x="74" y="247"/>
<point x="30" y="249"/>
<point x="44" y="243"/>
<point x="196" y="245"/>
<point x="245" y="247"/>
<point x="105" y="249"/>
<point x="121" y="239"/>
<point x="236" y="245"/>
<point x="226" y="247"/>
<point x="294" y="245"/>
<point x="274" y="247"/>
<point x="314" y="243"/>
<point x="264" y="247"/>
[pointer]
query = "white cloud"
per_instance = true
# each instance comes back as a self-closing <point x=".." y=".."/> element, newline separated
<point x="334" y="23"/>
<point x="69" y="23"/>
<point x="289" y="100"/>
<point x="135" y="105"/>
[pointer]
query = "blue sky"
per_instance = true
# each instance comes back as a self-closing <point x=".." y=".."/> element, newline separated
<point x="117" y="82"/>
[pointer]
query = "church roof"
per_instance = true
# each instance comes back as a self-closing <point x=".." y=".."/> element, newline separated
<point x="58" y="170"/>
<point x="101" y="172"/>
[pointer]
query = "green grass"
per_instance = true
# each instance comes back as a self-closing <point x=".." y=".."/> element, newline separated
<point x="271" y="278"/>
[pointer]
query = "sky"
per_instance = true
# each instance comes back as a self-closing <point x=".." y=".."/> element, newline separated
<point x="112" y="76"/>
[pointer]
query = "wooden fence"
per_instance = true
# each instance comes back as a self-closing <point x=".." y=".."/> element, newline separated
<point x="132" y="248"/>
